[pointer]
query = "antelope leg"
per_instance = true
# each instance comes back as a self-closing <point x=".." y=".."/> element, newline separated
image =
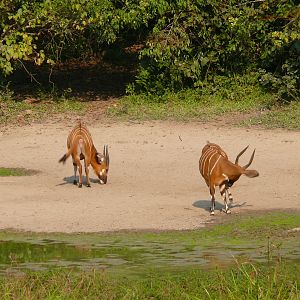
<point x="75" y="171"/>
<point x="213" y="201"/>
<point x="224" y="192"/>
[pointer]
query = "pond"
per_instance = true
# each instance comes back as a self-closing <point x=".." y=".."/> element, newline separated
<point x="133" y="256"/>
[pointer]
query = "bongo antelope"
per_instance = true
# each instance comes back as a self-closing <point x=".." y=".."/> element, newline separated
<point x="80" y="146"/>
<point x="217" y="170"/>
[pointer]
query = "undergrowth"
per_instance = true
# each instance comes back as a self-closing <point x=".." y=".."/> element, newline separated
<point x="44" y="105"/>
<point x="285" y="116"/>
<point x="239" y="100"/>
<point x="224" y="96"/>
<point x="245" y="281"/>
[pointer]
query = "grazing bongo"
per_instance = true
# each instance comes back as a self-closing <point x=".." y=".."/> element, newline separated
<point x="80" y="146"/>
<point x="217" y="170"/>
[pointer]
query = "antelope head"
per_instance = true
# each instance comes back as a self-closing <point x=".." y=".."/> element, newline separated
<point x="102" y="166"/>
<point x="244" y="169"/>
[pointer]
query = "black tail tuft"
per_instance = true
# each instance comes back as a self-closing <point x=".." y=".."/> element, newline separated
<point x="63" y="159"/>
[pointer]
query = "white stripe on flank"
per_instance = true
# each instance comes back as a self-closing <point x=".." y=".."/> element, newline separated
<point x="226" y="177"/>
<point x="209" y="154"/>
<point x="205" y="156"/>
<point x="209" y="151"/>
<point x="208" y="171"/>
<point x="215" y="164"/>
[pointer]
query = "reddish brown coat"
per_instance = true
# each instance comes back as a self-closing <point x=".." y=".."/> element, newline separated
<point x="80" y="145"/>
<point x="218" y="170"/>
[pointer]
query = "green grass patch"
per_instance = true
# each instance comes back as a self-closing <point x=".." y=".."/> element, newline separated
<point x="240" y="94"/>
<point x="246" y="281"/>
<point x="256" y="228"/>
<point x="287" y="116"/>
<point x="231" y="99"/>
<point x="187" y="105"/>
<point x="42" y="106"/>
<point x="16" y="172"/>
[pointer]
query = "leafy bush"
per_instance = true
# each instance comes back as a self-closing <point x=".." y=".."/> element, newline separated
<point x="195" y="41"/>
<point x="186" y="43"/>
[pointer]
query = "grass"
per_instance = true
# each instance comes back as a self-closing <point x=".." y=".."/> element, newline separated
<point x="240" y="94"/>
<point x="287" y="116"/>
<point x="238" y="229"/>
<point x="277" y="279"/>
<point x="258" y="108"/>
<point x="42" y="106"/>
<point x="15" y="172"/>
<point x="237" y="101"/>
<point x="188" y="105"/>
<point x="245" y="281"/>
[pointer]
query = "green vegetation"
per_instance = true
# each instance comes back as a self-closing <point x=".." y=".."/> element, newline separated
<point x="246" y="281"/>
<point x="259" y="111"/>
<point x="239" y="94"/>
<point x="15" y="172"/>
<point x="41" y="106"/>
<point x="157" y="265"/>
<point x="182" y="43"/>
<point x="286" y="116"/>
<point x="135" y="254"/>
<point x="238" y="100"/>
<point x="186" y="60"/>
<point x="254" y="227"/>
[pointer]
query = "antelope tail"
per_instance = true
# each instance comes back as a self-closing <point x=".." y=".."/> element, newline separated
<point x="66" y="156"/>
<point x="251" y="173"/>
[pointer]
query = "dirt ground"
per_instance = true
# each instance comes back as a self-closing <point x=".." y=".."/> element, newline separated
<point x="154" y="182"/>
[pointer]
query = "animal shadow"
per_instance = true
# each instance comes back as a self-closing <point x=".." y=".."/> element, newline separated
<point x="70" y="180"/>
<point x="206" y="204"/>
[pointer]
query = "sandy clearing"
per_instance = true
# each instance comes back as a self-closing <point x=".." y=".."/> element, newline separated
<point x="154" y="182"/>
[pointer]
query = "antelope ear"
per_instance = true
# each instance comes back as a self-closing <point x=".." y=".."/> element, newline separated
<point x="251" y="173"/>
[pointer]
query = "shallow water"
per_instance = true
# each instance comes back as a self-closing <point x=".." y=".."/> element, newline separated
<point x="131" y="257"/>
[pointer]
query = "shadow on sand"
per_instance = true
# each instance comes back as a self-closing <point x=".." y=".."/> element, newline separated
<point x="70" y="180"/>
<point x="205" y="204"/>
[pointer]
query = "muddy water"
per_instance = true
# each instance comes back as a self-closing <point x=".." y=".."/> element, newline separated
<point x="132" y="257"/>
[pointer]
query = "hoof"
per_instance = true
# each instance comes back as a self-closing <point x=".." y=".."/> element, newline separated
<point x="80" y="185"/>
<point x="228" y="211"/>
<point x="75" y="182"/>
<point x="88" y="185"/>
<point x="212" y="213"/>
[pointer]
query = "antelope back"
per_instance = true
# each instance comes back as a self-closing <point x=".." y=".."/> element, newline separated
<point x="214" y="146"/>
<point x="211" y="154"/>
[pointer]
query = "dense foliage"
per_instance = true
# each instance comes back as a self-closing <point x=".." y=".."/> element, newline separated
<point x="185" y="43"/>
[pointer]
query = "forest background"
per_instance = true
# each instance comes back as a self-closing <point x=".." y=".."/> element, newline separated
<point x="242" y="55"/>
